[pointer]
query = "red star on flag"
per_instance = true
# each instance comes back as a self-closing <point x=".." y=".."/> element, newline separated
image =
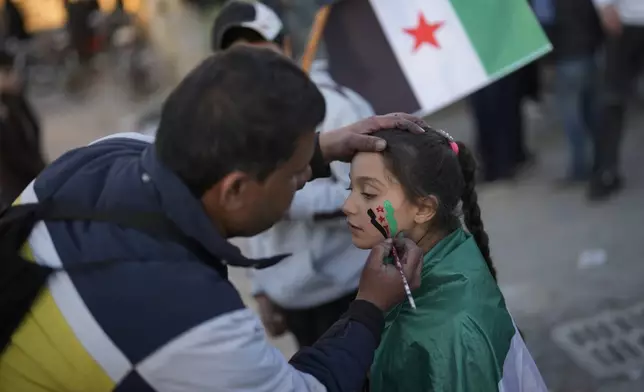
<point x="424" y="32"/>
<point x="380" y="209"/>
<point x="381" y="219"/>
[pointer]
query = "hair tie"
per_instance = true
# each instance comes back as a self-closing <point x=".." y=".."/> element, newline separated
<point x="453" y="145"/>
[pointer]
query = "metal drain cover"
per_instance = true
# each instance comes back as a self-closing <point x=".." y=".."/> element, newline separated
<point x="608" y="344"/>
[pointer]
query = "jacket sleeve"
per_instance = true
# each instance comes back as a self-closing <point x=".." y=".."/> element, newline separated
<point x="230" y="352"/>
<point x="328" y="192"/>
<point x="322" y="196"/>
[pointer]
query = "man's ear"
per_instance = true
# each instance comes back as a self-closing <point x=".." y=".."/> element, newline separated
<point x="234" y="190"/>
<point x="427" y="208"/>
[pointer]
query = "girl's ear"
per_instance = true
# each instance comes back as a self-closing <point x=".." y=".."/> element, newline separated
<point x="427" y="208"/>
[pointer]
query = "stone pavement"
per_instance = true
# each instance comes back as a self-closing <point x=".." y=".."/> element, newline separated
<point x="537" y="231"/>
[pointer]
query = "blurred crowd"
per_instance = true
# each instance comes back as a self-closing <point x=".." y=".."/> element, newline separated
<point x="63" y="58"/>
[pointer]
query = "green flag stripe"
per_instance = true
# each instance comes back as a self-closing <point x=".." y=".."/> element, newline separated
<point x="505" y="33"/>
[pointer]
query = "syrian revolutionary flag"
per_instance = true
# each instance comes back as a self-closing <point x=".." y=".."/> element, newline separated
<point x="417" y="56"/>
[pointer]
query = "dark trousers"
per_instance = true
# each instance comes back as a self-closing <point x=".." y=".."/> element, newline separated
<point x="576" y="97"/>
<point x="624" y="60"/>
<point x="499" y="122"/>
<point x="308" y="325"/>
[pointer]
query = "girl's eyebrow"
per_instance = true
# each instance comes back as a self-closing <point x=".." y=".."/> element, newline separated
<point x="367" y="180"/>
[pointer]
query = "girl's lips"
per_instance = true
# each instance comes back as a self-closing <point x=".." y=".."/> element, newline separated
<point x="353" y="227"/>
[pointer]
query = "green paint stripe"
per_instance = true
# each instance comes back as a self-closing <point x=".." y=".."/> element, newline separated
<point x="391" y="220"/>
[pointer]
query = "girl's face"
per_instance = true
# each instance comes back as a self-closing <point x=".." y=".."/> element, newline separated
<point x="371" y="185"/>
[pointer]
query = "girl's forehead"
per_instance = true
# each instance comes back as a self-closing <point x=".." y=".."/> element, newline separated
<point x="368" y="164"/>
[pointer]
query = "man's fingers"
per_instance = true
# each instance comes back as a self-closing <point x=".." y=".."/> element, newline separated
<point x="411" y="259"/>
<point x="409" y="117"/>
<point x="379" y="252"/>
<point x="366" y="143"/>
<point x="398" y="121"/>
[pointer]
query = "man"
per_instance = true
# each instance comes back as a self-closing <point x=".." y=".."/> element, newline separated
<point x="20" y="154"/>
<point x="623" y="22"/>
<point x="575" y="32"/>
<point x="133" y="248"/>
<point x="307" y="292"/>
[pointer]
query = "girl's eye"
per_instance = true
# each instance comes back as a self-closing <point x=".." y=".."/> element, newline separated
<point x="350" y="188"/>
<point x="368" y="196"/>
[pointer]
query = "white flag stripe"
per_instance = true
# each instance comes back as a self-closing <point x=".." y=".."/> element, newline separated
<point x="437" y="76"/>
<point x="520" y="373"/>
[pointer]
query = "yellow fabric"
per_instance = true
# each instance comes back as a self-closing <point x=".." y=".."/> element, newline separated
<point x="44" y="354"/>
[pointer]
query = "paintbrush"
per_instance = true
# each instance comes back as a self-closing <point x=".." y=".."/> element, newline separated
<point x="377" y="225"/>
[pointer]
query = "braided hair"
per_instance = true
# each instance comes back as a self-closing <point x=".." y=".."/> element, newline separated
<point x="433" y="164"/>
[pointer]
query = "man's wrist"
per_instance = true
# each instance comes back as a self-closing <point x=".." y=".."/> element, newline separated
<point x="319" y="167"/>
<point x="369" y="315"/>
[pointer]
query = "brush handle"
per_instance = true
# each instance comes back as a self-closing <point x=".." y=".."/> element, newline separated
<point x="410" y="298"/>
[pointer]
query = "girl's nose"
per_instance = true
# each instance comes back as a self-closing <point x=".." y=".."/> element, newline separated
<point x="348" y="208"/>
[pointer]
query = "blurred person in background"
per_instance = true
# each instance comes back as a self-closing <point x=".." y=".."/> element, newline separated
<point x="575" y="32"/>
<point x="307" y="292"/>
<point x="623" y="22"/>
<point x="13" y="23"/>
<point x="498" y="119"/>
<point x="20" y="154"/>
<point x="82" y="29"/>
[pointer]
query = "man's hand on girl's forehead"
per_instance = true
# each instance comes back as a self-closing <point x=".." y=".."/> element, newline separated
<point x="343" y="143"/>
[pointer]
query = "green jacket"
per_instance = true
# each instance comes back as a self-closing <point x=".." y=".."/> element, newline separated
<point x="460" y="334"/>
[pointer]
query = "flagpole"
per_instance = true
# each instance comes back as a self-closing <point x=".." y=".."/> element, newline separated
<point x="314" y="37"/>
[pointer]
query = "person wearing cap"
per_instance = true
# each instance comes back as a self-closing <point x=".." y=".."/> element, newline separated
<point x="308" y="291"/>
<point x="114" y="259"/>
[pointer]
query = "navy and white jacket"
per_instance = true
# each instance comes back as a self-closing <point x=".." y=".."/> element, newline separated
<point x="161" y="320"/>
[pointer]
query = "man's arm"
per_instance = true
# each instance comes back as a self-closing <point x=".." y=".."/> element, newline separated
<point x="231" y="353"/>
<point x="319" y="167"/>
<point x="229" y="350"/>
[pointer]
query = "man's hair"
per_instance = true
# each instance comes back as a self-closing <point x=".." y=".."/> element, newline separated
<point x="241" y="109"/>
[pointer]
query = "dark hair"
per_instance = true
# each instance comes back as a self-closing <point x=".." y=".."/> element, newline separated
<point x="426" y="165"/>
<point x="241" y="109"/>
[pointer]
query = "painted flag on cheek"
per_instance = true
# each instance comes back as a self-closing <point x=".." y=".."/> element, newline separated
<point x="417" y="56"/>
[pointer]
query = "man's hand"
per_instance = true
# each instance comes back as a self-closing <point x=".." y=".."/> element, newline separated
<point x="343" y="143"/>
<point x="271" y="316"/>
<point x="381" y="284"/>
<point x="611" y="20"/>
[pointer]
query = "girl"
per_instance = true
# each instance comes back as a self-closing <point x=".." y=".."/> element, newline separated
<point x="461" y="336"/>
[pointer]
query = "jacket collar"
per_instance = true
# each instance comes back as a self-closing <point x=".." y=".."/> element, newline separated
<point x="181" y="207"/>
